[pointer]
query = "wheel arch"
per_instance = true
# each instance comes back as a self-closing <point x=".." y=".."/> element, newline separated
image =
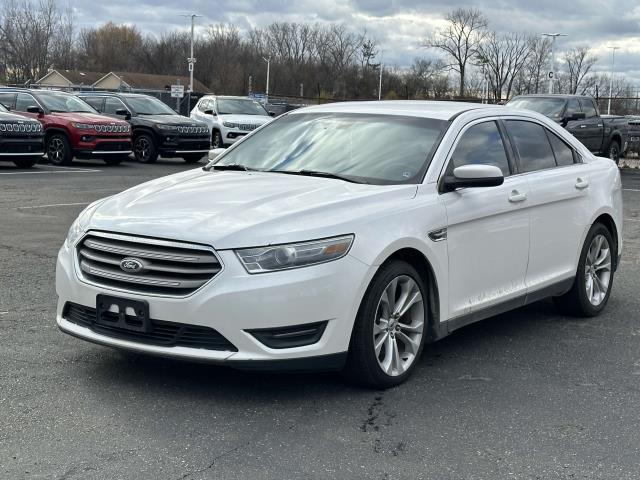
<point x="608" y="221"/>
<point x="49" y="132"/>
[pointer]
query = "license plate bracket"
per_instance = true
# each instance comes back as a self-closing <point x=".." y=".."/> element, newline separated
<point x="124" y="313"/>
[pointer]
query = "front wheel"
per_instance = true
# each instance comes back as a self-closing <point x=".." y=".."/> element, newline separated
<point x="59" y="150"/>
<point x="216" y="140"/>
<point x="144" y="149"/>
<point x="594" y="278"/>
<point x="25" y="162"/>
<point x="193" y="158"/>
<point x="614" y="151"/>
<point x="388" y="334"/>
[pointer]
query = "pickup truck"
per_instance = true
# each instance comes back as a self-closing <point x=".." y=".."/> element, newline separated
<point x="602" y="135"/>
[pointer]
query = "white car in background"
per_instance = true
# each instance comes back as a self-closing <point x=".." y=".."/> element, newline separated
<point x="229" y="118"/>
<point x="347" y="236"/>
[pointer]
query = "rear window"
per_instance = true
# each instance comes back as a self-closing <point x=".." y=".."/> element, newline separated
<point x="532" y="145"/>
<point x="563" y="152"/>
<point x="588" y="108"/>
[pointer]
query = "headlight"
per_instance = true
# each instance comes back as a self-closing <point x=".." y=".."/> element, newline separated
<point x="231" y="124"/>
<point x="81" y="224"/>
<point x="83" y="126"/>
<point x="169" y="128"/>
<point x="294" y="255"/>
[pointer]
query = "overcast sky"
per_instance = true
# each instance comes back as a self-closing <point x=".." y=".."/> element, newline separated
<point x="399" y="25"/>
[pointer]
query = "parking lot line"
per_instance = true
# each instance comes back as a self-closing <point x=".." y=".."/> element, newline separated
<point x="631" y="189"/>
<point x="73" y="170"/>
<point x="54" y="205"/>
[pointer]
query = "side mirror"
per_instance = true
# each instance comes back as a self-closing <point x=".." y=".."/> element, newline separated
<point x="213" y="154"/>
<point x="123" y="112"/>
<point x="35" y="109"/>
<point x="467" y="176"/>
<point x="210" y="112"/>
<point x="575" y="116"/>
<point x="272" y="114"/>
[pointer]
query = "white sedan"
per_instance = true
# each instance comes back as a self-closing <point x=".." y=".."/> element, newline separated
<point x="347" y="236"/>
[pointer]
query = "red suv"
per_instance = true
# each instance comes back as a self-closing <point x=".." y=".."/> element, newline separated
<point x="72" y="128"/>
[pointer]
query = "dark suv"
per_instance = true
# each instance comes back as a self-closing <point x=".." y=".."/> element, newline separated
<point x="20" y="139"/>
<point x="71" y="127"/>
<point x="157" y="129"/>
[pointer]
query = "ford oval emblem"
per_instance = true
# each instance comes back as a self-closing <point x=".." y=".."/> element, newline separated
<point x="131" y="265"/>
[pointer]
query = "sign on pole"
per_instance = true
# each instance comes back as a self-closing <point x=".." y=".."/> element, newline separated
<point x="177" y="91"/>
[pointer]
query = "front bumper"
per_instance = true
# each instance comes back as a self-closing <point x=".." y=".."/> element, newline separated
<point x="183" y="145"/>
<point x="21" y="147"/>
<point x="98" y="147"/>
<point x="234" y="302"/>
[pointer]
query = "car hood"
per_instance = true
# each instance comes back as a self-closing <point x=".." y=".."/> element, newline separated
<point x="246" y="119"/>
<point x="245" y="209"/>
<point x="12" y="117"/>
<point x="86" y="117"/>
<point x="169" y="120"/>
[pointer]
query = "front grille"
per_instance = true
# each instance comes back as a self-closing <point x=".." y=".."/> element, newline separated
<point x="166" y="334"/>
<point x="155" y="266"/>
<point x="247" y="127"/>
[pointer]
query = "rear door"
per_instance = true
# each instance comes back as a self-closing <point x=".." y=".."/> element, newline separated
<point x="487" y="228"/>
<point x="558" y="201"/>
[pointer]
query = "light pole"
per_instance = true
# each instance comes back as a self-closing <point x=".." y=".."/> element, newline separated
<point x="191" y="59"/>
<point x="552" y="73"/>
<point x="613" y="59"/>
<point x="268" y="60"/>
<point x="380" y="83"/>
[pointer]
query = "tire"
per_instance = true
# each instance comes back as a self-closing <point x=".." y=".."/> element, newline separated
<point x="216" y="139"/>
<point x="25" y="162"/>
<point x="366" y="367"/>
<point x="144" y="149"/>
<point x="59" y="149"/>
<point x="194" y="158"/>
<point x="578" y="301"/>
<point x="613" y="152"/>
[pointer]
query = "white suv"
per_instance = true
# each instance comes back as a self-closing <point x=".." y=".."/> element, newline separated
<point x="229" y="118"/>
<point x="347" y="236"/>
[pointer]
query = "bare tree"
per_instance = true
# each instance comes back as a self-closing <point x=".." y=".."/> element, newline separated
<point x="460" y="40"/>
<point x="504" y="56"/>
<point x="579" y="63"/>
<point x="532" y="76"/>
<point x="102" y="48"/>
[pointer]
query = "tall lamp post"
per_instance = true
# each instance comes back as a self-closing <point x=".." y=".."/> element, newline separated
<point x="268" y="60"/>
<point x="552" y="73"/>
<point x="191" y="58"/>
<point x="613" y="60"/>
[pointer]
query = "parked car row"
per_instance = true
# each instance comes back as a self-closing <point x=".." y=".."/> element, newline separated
<point x="107" y="126"/>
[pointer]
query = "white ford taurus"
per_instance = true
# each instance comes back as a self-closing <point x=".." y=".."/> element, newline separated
<point x="347" y="236"/>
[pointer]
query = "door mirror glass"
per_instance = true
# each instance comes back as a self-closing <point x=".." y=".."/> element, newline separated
<point x="478" y="175"/>
<point x="123" y="112"/>
<point x="34" y="109"/>
<point x="210" y="112"/>
<point x="575" y="116"/>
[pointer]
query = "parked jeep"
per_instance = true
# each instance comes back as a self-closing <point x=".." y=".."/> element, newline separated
<point x="72" y="128"/>
<point x="602" y="135"/>
<point x="20" y="139"/>
<point x="157" y="129"/>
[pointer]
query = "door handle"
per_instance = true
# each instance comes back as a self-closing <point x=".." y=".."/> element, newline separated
<point x="516" y="196"/>
<point x="599" y="124"/>
<point x="581" y="183"/>
<point x="583" y="126"/>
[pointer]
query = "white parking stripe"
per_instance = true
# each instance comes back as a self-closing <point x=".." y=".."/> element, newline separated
<point x="632" y="219"/>
<point x="631" y="189"/>
<point x="54" y="205"/>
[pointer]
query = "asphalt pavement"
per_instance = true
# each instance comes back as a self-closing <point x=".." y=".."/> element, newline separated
<point x="525" y="395"/>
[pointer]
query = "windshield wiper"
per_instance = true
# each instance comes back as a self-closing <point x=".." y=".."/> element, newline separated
<point x="316" y="173"/>
<point x="233" y="167"/>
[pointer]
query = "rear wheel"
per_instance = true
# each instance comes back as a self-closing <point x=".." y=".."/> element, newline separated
<point x="594" y="278"/>
<point x="613" y="152"/>
<point x="144" y="149"/>
<point x="25" y="162"/>
<point x="59" y="149"/>
<point x="194" y="158"/>
<point x="388" y="335"/>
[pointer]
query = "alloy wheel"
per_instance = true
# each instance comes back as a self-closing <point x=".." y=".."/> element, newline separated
<point x="142" y="149"/>
<point x="55" y="150"/>
<point x="398" y="326"/>
<point x="598" y="270"/>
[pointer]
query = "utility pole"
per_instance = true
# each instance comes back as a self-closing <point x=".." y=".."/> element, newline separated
<point x="301" y="90"/>
<point x="268" y="60"/>
<point x="191" y="60"/>
<point x="613" y="60"/>
<point x="552" y="72"/>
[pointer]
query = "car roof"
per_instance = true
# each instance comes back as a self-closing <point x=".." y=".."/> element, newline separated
<point x="551" y="95"/>
<point x="440" y="110"/>
<point x="113" y="94"/>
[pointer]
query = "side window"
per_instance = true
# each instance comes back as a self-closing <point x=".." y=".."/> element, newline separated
<point x="573" y="107"/>
<point x="562" y="151"/>
<point x="112" y="104"/>
<point x="7" y="99"/>
<point x="532" y="145"/>
<point x="480" y="144"/>
<point x="95" y="102"/>
<point x="25" y="100"/>
<point x="588" y="108"/>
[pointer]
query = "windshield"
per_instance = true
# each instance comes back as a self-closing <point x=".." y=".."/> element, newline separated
<point x="239" y="106"/>
<point x="149" y="106"/>
<point x="63" y="102"/>
<point x="549" y="107"/>
<point x="380" y="149"/>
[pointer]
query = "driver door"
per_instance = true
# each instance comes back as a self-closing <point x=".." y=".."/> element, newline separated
<point x="487" y="227"/>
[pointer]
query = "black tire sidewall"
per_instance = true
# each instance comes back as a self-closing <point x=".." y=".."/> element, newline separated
<point x="362" y="336"/>
<point x="614" y="144"/>
<point x="153" y="151"/>
<point x="216" y="133"/>
<point x="587" y="306"/>
<point x="67" y="157"/>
